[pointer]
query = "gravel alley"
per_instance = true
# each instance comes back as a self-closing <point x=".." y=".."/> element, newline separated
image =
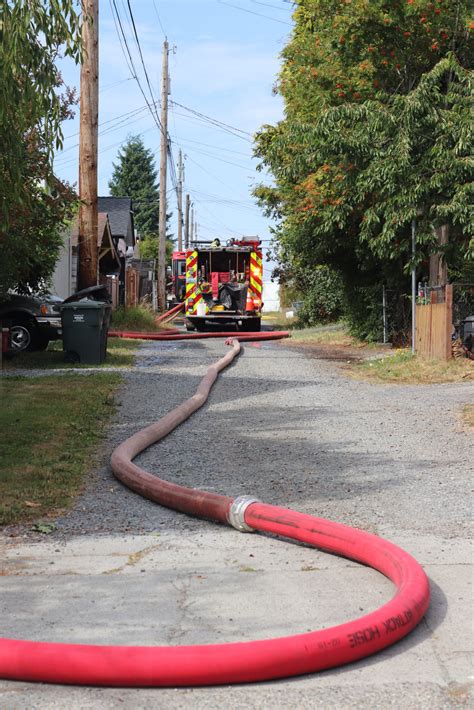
<point x="292" y="430"/>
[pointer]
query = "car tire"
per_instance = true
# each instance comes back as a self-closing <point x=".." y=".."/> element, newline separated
<point x="23" y="335"/>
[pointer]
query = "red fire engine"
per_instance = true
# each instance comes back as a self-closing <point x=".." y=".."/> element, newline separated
<point x="220" y="285"/>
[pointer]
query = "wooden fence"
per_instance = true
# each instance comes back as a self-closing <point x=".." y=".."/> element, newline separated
<point x="434" y="326"/>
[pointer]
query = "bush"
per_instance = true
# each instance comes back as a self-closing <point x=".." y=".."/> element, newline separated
<point x="323" y="297"/>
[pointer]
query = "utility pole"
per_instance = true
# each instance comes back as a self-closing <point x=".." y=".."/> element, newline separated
<point x="186" y="222"/>
<point x="161" y="271"/>
<point x="180" y="200"/>
<point x="191" y="231"/>
<point x="88" y="137"/>
<point x="413" y="286"/>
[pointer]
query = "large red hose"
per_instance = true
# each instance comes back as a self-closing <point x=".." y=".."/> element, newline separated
<point x="233" y="662"/>
<point x="177" y="335"/>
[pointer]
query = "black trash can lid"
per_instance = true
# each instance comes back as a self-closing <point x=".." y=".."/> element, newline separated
<point x="85" y="303"/>
<point x="96" y="293"/>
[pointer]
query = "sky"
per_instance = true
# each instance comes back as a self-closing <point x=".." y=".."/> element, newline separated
<point x="223" y="63"/>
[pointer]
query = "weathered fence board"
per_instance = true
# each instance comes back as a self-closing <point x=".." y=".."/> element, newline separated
<point x="434" y="323"/>
<point x="132" y="287"/>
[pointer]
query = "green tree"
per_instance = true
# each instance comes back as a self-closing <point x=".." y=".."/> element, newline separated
<point x="364" y="145"/>
<point x="135" y="176"/>
<point x="34" y="205"/>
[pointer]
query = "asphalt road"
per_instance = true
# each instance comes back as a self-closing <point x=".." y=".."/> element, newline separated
<point x="293" y="430"/>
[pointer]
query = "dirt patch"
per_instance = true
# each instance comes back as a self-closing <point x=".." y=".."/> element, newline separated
<point x="339" y="353"/>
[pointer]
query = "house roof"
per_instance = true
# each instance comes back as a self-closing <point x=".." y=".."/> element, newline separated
<point x="120" y="214"/>
<point x="109" y="262"/>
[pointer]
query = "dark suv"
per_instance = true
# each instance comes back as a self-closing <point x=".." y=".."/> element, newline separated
<point x="33" y="321"/>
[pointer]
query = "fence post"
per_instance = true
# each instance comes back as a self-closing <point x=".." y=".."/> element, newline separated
<point x="448" y="298"/>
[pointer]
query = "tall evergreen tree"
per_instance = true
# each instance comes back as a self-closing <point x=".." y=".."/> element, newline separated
<point x="135" y="176"/>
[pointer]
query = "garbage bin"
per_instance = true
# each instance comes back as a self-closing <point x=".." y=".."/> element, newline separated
<point x="467" y="337"/>
<point x="85" y="325"/>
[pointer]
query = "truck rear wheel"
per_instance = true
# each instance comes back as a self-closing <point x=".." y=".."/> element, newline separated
<point x="251" y="325"/>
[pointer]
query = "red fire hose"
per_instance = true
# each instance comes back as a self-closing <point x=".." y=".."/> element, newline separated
<point x="177" y="335"/>
<point x="233" y="662"/>
<point x="169" y="315"/>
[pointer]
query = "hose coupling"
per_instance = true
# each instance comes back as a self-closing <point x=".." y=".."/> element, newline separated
<point x="236" y="516"/>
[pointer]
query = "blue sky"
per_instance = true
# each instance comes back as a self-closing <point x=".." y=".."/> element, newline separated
<point x="224" y="65"/>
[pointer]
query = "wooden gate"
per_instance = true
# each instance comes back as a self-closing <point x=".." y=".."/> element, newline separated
<point x="434" y="326"/>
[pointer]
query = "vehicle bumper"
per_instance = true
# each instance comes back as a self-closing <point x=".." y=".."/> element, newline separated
<point x="50" y="327"/>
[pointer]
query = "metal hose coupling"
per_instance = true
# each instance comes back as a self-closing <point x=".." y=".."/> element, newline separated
<point x="236" y="515"/>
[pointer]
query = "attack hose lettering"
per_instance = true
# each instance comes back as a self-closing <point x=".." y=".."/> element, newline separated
<point x="239" y="662"/>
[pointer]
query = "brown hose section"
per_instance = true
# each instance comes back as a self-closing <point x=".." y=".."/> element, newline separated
<point x="171" y="495"/>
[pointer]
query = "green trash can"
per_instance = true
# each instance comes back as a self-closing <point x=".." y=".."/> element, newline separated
<point x="85" y="325"/>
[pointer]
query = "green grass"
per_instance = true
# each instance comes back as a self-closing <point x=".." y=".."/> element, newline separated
<point x="333" y="334"/>
<point x="134" y="319"/>
<point x="51" y="428"/>
<point x="120" y="353"/>
<point x="405" y="368"/>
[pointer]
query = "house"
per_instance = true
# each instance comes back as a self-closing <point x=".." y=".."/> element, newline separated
<point x="116" y="240"/>
<point x="109" y="263"/>
<point x="120" y="212"/>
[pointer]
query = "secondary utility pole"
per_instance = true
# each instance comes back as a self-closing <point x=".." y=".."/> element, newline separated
<point x="186" y="222"/>
<point x="88" y="137"/>
<point x="180" y="200"/>
<point x="161" y="271"/>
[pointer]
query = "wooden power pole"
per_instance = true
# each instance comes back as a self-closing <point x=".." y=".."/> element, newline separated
<point x="88" y="136"/>
<point x="180" y="201"/>
<point x="161" y="274"/>
<point x="186" y="222"/>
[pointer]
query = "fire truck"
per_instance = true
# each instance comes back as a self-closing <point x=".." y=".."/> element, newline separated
<point x="222" y="284"/>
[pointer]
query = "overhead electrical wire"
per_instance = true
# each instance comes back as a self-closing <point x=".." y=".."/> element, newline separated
<point x="133" y="70"/>
<point x="155" y="103"/>
<point x="215" y="121"/>
<point x="159" y="19"/>
<point x="252" y="12"/>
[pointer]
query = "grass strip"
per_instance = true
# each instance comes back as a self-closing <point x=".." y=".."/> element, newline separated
<point x="51" y="427"/>
<point x="120" y="353"/>
<point x="404" y="368"/>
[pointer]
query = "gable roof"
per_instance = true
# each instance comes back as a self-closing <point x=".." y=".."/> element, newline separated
<point x="120" y="214"/>
<point x="109" y="261"/>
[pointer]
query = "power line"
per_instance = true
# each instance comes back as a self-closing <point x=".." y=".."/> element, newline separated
<point x="243" y="9"/>
<point x="211" y="145"/>
<point x="133" y="70"/>
<point x="159" y="19"/>
<point x="141" y="57"/>
<point x="217" y="157"/>
<point x="267" y="4"/>
<point x="214" y="121"/>
<point x="122" y="118"/>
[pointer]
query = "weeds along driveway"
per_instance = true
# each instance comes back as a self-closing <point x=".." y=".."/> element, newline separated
<point x="294" y="431"/>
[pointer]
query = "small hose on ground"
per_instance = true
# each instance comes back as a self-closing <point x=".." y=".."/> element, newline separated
<point x="169" y="315"/>
<point x="238" y="662"/>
